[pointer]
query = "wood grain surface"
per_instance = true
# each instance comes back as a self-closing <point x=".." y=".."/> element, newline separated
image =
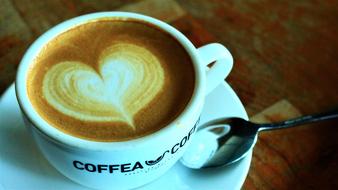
<point x="284" y="51"/>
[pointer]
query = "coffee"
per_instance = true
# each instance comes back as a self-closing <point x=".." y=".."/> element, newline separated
<point x="111" y="80"/>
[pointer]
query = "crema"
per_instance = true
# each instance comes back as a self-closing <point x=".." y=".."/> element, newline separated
<point x="111" y="80"/>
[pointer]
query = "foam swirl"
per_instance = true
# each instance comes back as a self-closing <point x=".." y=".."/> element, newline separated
<point x="127" y="79"/>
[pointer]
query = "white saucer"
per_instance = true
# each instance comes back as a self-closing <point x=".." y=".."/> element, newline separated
<point x="23" y="167"/>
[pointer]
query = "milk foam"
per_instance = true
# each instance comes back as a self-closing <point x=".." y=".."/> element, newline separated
<point x="128" y="77"/>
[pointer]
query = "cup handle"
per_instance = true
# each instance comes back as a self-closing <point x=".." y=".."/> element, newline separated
<point x="219" y="54"/>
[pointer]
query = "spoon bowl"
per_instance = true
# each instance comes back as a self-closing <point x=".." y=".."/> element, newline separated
<point x="217" y="143"/>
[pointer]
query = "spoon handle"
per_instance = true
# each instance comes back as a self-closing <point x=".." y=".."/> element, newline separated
<point x="299" y="121"/>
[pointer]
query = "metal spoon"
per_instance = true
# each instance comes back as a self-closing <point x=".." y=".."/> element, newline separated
<point x="227" y="140"/>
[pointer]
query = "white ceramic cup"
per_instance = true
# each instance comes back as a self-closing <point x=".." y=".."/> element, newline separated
<point x="132" y="163"/>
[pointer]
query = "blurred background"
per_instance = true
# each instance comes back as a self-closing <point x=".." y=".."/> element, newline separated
<point x="286" y="65"/>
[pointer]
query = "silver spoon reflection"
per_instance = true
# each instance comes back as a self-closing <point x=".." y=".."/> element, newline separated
<point x="227" y="140"/>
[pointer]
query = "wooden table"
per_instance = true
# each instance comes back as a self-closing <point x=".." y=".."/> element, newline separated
<point x="285" y="52"/>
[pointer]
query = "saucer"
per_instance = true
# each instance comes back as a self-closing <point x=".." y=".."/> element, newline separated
<point x="22" y="165"/>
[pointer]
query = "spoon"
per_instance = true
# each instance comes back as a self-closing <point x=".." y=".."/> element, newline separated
<point x="225" y="141"/>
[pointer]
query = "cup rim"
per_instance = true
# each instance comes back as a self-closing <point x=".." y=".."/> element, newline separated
<point x="62" y="138"/>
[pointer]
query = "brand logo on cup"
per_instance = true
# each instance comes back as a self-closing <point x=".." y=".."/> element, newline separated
<point x="131" y="167"/>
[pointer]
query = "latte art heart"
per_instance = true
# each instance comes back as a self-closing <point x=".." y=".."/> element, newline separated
<point x="127" y="79"/>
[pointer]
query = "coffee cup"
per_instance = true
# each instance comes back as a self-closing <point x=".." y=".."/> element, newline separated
<point x="116" y="109"/>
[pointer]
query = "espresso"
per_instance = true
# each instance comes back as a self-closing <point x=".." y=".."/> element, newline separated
<point x="111" y="80"/>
